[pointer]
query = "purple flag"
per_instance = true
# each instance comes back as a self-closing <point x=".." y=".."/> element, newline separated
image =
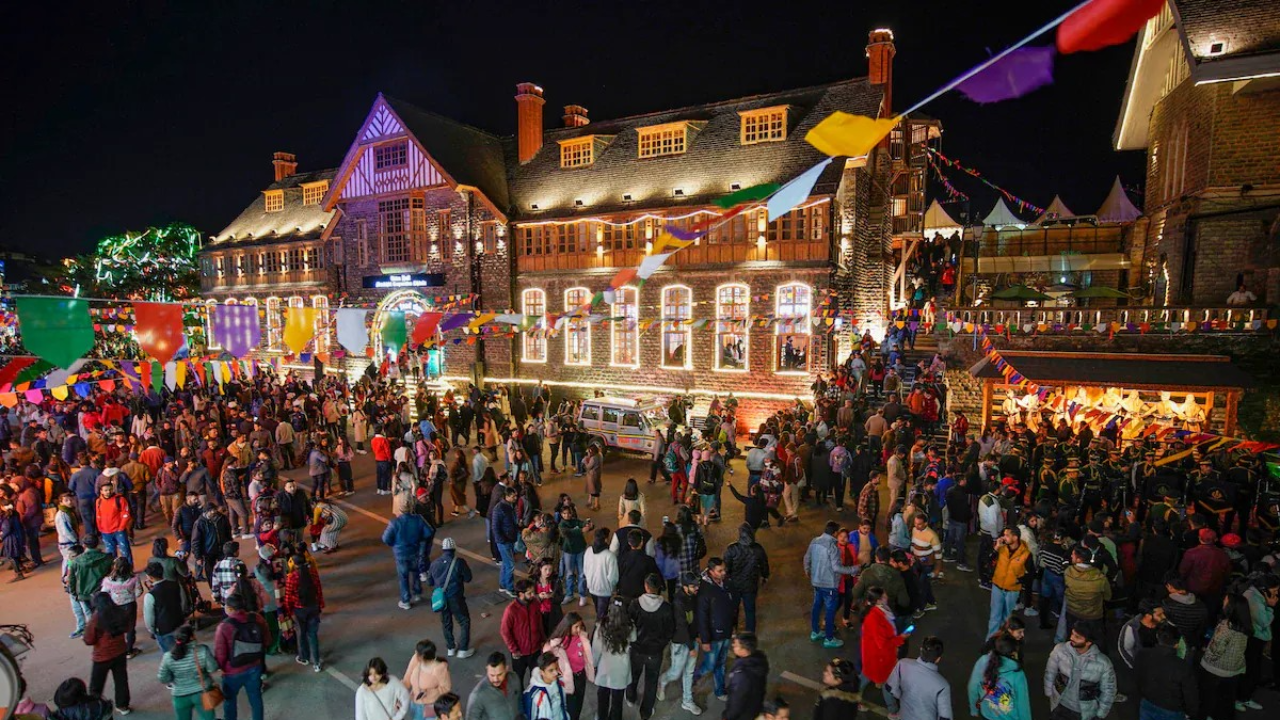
<point x="456" y="320"/>
<point x="684" y="234"/>
<point x="1014" y="75"/>
<point x="236" y="328"/>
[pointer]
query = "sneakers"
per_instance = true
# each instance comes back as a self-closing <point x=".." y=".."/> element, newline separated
<point x="834" y="642"/>
<point x="1031" y="612"/>
<point x="415" y="599"/>
<point x="246" y="536"/>
<point x="582" y="601"/>
<point x="815" y="636"/>
<point x="76" y="634"/>
<point x="464" y="654"/>
<point x="963" y="568"/>
<point x="133" y="653"/>
<point x="917" y="614"/>
<point x="567" y="599"/>
<point x="931" y="606"/>
<point x="691" y="708"/>
<point x="452" y="652"/>
<point x="1248" y="705"/>
<point x="316" y="668"/>
<point x="403" y="605"/>
<point x="662" y="691"/>
<point x="507" y="592"/>
<point x="300" y="661"/>
<point x="985" y="586"/>
<point x="124" y="710"/>
<point x="722" y="698"/>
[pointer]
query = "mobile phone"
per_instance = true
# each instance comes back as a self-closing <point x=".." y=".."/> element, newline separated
<point x="910" y="629"/>
<point x="666" y="519"/>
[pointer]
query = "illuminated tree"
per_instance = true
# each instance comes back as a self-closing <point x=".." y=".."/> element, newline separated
<point x="157" y="264"/>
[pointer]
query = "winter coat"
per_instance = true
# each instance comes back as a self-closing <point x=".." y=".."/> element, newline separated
<point x="684" y="610"/>
<point x="822" y="563"/>
<point x="1205" y="569"/>
<point x="502" y="522"/>
<point x="747" y="564"/>
<point x="613" y="670"/>
<point x="880" y="642"/>
<point x="461" y="573"/>
<point x="746" y="687"/>
<point x="633" y="568"/>
<point x="540" y="546"/>
<point x="601" y="571"/>
<point x="409" y="537"/>
<point x="1189" y="615"/>
<point x="1009" y="699"/>
<point x="1088" y="681"/>
<point x="1224" y="655"/>
<point x="716" y="611"/>
<point x="522" y="628"/>
<point x="592" y="480"/>
<point x="654" y="621"/>
<point x="836" y="703"/>
<point x="487" y="702"/>
<point x="544" y="701"/>
<point x="883" y="575"/>
<point x="555" y="646"/>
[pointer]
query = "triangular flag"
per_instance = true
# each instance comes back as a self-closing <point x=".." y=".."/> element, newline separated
<point x="796" y="191"/>
<point x="299" y="327"/>
<point x="650" y="264"/>
<point x="393" y="332"/>
<point x="35" y="396"/>
<point x="1103" y="23"/>
<point x="171" y="376"/>
<point x="158" y="329"/>
<point x="623" y="277"/>
<point x="455" y="320"/>
<point x="746" y="195"/>
<point x="236" y="328"/>
<point x="1013" y="75"/>
<point x="60" y="392"/>
<point x="841" y="134"/>
<point x="353" y="332"/>
<point x="424" y="328"/>
<point x="157" y="376"/>
<point x="180" y="374"/>
<point x="667" y="240"/>
<point x="57" y="329"/>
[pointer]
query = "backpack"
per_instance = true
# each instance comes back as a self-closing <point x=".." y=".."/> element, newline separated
<point x="670" y="461"/>
<point x="529" y="705"/>
<point x="247" y="643"/>
<point x="706" y="478"/>
<point x="839" y="459"/>
<point x="209" y="536"/>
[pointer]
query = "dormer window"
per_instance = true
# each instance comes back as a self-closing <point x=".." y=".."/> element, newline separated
<point x="578" y="152"/>
<point x="313" y="193"/>
<point x="391" y="156"/>
<point x="275" y="200"/>
<point x="660" y="140"/>
<point x="764" y="125"/>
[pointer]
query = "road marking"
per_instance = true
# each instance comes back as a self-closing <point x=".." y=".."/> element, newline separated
<point x="461" y="550"/>
<point x="341" y="677"/>
<point x="814" y="685"/>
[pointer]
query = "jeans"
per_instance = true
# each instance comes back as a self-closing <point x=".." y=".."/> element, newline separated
<point x="713" y="662"/>
<point x="1150" y="711"/>
<point x="82" y="612"/>
<point x="165" y="641"/>
<point x="1002" y="604"/>
<point x="410" y="580"/>
<point x="251" y="682"/>
<point x="505" y="575"/>
<point x="384" y="474"/>
<point x="320" y="485"/>
<point x="345" y="479"/>
<point x="119" y="669"/>
<point x="308" y="624"/>
<point x="953" y="545"/>
<point x="32" y="532"/>
<point x="1053" y="591"/>
<point x="608" y="703"/>
<point x="825" y="600"/>
<point x="570" y="568"/>
<point x="455" y="607"/>
<point x="87" y="514"/>
<point x="237" y="516"/>
<point x="185" y="705"/>
<point x="683" y="661"/>
<point x="647" y="667"/>
<point x="748" y="601"/>
<point x="117" y="543"/>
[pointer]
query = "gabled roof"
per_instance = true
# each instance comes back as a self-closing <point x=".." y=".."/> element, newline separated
<point x="1117" y="208"/>
<point x="254" y="225"/>
<point x="1057" y="209"/>
<point x="469" y="155"/>
<point x="714" y="159"/>
<point x="939" y="221"/>
<point x="1002" y="216"/>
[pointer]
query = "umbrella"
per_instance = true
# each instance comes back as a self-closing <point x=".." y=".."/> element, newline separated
<point x="1097" y="291"/>
<point x="1019" y="292"/>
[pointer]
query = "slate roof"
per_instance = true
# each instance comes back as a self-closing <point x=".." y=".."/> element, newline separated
<point x="1251" y="27"/>
<point x="714" y="157"/>
<point x="469" y="155"/>
<point x="1123" y="370"/>
<point x="256" y="226"/>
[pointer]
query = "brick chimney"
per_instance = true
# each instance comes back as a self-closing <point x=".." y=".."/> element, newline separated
<point x="286" y="164"/>
<point x="528" y="120"/>
<point x="880" y="52"/>
<point x="575" y="116"/>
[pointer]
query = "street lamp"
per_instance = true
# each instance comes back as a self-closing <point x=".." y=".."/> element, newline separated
<point x="977" y="232"/>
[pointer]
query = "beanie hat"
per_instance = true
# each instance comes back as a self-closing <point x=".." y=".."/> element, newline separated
<point x="1207" y="536"/>
<point x="448" y="544"/>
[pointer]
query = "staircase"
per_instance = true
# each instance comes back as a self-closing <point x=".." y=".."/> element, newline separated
<point x="926" y="347"/>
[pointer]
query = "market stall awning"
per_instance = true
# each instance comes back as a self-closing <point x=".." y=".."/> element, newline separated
<point x="1163" y="372"/>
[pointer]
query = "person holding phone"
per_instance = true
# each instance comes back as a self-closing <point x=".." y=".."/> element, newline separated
<point x="880" y="638"/>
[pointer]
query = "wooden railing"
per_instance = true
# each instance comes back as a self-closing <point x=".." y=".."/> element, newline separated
<point x="705" y="253"/>
<point x="265" y="280"/>
<point x="1124" y="314"/>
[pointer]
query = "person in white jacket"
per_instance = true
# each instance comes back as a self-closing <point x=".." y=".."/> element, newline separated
<point x="600" y="566"/>
<point x="991" y="524"/>
<point x="544" y="699"/>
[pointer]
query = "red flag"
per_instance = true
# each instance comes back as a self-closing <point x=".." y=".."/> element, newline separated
<point x="1103" y="23"/>
<point x="159" y="329"/>
<point x="9" y="372"/>
<point x="425" y="327"/>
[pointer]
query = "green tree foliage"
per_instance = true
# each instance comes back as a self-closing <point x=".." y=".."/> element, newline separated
<point x="157" y="264"/>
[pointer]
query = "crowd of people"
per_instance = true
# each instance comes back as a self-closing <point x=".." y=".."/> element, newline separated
<point x="1124" y="553"/>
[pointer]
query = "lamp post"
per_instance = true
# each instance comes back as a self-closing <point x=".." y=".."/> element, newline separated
<point x="977" y="231"/>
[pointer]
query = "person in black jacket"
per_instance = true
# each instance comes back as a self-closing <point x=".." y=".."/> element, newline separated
<point x="75" y="703"/>
<point x="655" y="625"/>
<point x="1165" y="680"/>
<point x="634" y="567"/>
<point x="294" y="505"/>
<point x="748" y="567"/>
<point x="684" y="641"/>
<point x="839" y="697"/>
<point x="755" y="512"/>
<point x="714" y="623"/>
<point x="748" y="678"/>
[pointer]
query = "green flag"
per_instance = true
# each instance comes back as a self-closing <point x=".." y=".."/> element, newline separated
<point x="394" y="333"/>
<point x="157" y="375"/>
<point x="57" y="329"/>
<point x="34" y="371"/>
<point x="746" y="195"/>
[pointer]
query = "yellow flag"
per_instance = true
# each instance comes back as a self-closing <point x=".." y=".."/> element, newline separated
<point x="299" y="328"/>
<point x="180" y="374"/>
<point x="842" y="134"/>
<point x="59" y="392"/>
<point x="481" y="320"/>
<point x="667" y="240"/>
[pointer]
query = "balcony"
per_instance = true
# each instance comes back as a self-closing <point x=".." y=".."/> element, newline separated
<point x="256" y="281"/>
<point x="1214" y="318"/>
<point x="702" y="254"/>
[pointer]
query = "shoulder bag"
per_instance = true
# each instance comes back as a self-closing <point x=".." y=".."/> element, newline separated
<point x="211" y="697"/>
<point x="437" y="595"/>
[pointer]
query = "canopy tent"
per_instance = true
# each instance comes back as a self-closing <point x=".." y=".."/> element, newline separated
<point x="1056" y="211"/>
<point x="1001" y="216"/>
<point x="1117" y="208"/>
<point x="1018" y="292"/>
<point x="938" y="222"/>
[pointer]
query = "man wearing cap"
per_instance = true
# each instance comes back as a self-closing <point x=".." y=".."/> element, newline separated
<point x="451" y="573"/>
<point x="1079" y="677"/>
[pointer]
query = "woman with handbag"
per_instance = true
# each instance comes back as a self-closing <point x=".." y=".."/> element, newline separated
<point x="381" y="696"/>
<point x="188" y="671"/>
<point x="426" y="678"/>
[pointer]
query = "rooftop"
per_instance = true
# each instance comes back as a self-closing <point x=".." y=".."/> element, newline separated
<point x="296" y="221"/>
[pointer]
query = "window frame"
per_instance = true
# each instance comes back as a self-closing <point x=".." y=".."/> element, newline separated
<point x="389" y="156"/>
<point x="577" y="152"/>
<point x="675" y="311"/>
<point x="320" y="304"/>
<point x="313" y="193"/>
<point x="275" y="324"/>
<point x="577" y="330"/>
<point x="618" y="329"/>
<point x="662" y="140"/>
<point x="770" y="125"/>
<point x="273" y="201"/>
<point x="723" y="321"/>
<point x="805" y="323"/>
<point x="395" y="210"/>
<point x="533" y="342"/>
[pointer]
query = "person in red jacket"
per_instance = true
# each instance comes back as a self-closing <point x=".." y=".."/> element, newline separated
<point x="880" y="638"/>
<point x="111" y="514"/>
<point x="522" y="629"/>
<point x="239" y="646"/>
<point x="304" y="600"/>
<point x="1205" y="569"/>
<point x="382" y="459"/>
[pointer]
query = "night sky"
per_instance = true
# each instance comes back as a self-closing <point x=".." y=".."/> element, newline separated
<point x="123" y="114"/>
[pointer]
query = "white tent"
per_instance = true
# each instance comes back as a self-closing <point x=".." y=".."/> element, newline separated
<point x="1056" y="210"/>
<point x="1117" y="208"/>
<point x="938" y="222"/>
<point x="1001" y="216"/>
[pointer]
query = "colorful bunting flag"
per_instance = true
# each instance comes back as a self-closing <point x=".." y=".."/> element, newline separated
<point x="843" y="135"/>
<point x="1014" y="75"/>
<point x="746" y="195"/>
<point x="1103" y="23"/>
<point x="236" y="328"/>
<point x="299" y="327"/>
<point x="57" y="329"/>
<point x="650" y="264"/>
<point x="393" y="332"/>
<point x="353" y="331"/>
<point x="158" y="328"/>
<point x="795" y="192"/>
<point x="425" y="327"/>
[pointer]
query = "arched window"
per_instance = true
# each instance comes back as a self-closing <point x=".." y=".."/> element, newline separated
<point x="275" y="323"/>
<point x="793" y="306"/>
<point x="533" y="302"/>
<point x="733" y="303"/>
<point x="577" y="330"/>
<point x="677" y="334"/>
<point x="209" y="305"/>
<point x="321" y="305"/>
<point x="626" y="329"/>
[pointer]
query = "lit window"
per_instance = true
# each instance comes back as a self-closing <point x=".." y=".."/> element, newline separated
<point x="362" y="243"/>
<point x="274" y="200"/>
<point x="732" y="339"/>
<point x="313" y="193"/>
<point x="271" y="262"/>
<point x="489" y="235"/>
<point x="659" y="140"/>
<point x="677" y="335"/>
<point x="577" y="343"/>
<point x="764" y="125"/>
<point x="220" y="266"/>
<point x="321" y="305"/>
<point x="794" y="310"/>
<point x="444" y="229"/>
<point x="209" y="306"/>
<point x="534" y="340"/>
<point x="626" y="330"/>
<point x="393" y="221"/>
<point x="275" y="323"/>
<point x="579" y="152"/>
<point x="391" y="156"/>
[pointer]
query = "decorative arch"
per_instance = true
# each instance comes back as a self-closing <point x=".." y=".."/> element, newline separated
<point x="411" y="302"/>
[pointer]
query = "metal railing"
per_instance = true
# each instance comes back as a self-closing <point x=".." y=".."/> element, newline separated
<point x="1124" y="314"/>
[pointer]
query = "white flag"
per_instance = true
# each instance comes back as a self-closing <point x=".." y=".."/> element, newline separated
<point x="353" y="333"/>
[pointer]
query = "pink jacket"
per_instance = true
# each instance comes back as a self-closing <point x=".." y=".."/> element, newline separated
<point x="556" y="647"/>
